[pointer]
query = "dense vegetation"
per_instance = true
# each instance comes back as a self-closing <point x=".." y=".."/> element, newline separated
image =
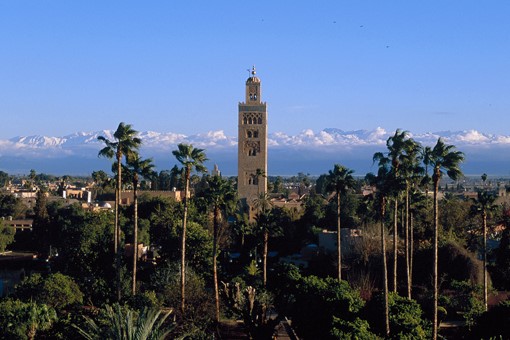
<point x="208" y="263"/>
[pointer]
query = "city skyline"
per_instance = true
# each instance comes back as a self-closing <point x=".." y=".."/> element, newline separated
<point x="181" y="67"/>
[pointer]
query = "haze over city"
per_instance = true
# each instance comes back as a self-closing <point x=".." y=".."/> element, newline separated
<point x="179" y="69"/>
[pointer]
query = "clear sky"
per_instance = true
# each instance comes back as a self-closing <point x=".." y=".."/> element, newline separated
<point x="180" y="66"/>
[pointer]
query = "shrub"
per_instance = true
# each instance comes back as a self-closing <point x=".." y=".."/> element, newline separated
<point x="22" y="320"/>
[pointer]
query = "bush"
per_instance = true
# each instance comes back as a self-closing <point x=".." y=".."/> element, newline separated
<point x="22" y="320"/>
<point x="199" y="315"/>
<point x="56" y="290"/>
<point x="465" y="299"/>
<point x="352" y="330"/>
<point x="318" y="300"/>
<point x="406" y="317"/>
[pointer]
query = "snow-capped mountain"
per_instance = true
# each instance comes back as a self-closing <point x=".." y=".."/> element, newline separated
<point x="308" y="151"/>
<point x="307" y="138"/>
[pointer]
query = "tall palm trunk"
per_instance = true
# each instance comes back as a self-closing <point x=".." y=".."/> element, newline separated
<point x="385" y="270"/>
<point x="435" y="256"/>
<point x="484" y="216"/>
<point x="406" y="246"/>
<point x="264" y="256"/>
<point x="411" y="251"/>
<point x="395" y="244"/>
<point x="215" y="265"/>
<point x="117" y="225"/>
<point x="135" y="233"/>
<point x="116" y="222"/>
<point x="183" y="241"/>
<point x="339" y="237"/>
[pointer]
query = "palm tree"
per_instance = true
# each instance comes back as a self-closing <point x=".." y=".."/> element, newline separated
<point x="399" y="147"/>
<point x="137" y="167"/>
<point x="443" y="158"/>
<point x="38" y="317"/>
<point x="411" y="173"/>
<point x="259" y="173"/>
<point x="263" y="219"/>
<point x="482" y="205"/>
<point x="221" y="195"/>
<point x="126" y="324"/>
<point x="125" y="144"/>
<point x="191" y="159"/>
<point x="339" y="180"/>
<point x="425" y="156"/>
<point x="417" y="206"/>
<point x="383" y="184"/>
<point x="241" y="224"/>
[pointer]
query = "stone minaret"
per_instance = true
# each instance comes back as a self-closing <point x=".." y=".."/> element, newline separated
<point x="252" y="144"/>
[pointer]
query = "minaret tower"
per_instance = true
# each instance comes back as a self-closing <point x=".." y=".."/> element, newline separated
<point x="252" y="144"/>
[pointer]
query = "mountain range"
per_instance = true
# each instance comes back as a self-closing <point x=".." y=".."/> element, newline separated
<point x="309" y="151"/>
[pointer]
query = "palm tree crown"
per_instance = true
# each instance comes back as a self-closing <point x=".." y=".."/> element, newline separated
<point x="444" y="158"/>
<point x="190" y="157"/>
<point x="125" y="143"/>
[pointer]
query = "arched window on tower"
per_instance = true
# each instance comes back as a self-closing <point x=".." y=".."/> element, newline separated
<point x="255" y="134"/>
<point x="260" y="120"/>
<point x="245" y="120"/>
<point x="250" y="121"/>
<point x="249" y="134"/>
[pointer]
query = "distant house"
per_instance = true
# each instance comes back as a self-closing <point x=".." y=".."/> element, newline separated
<point x="80" y="194"/>
<point x="19" y="225"/>
<point x="293" y="202"/>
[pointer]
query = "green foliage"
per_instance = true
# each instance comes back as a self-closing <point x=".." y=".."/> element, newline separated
<point x="466" y="299"/>
<point x="405" y="316"/>
<point x="22" y="320"/>
<point x="122" y="323"/>
<point x="406" y="319"/>
<point x="84" y="242"/>
<point x="454" y="260"/>
<point x="56" y="290"/>
<point x="317" y="301"/>
<point x="502" y="267"/>
<point x="352" y="330"/>
<point x="199" y="302"/>
<point x="455" y="218"/>
<point x="6" y="236"/>
<point x="144" y="299"/>
<point x="11" y="206"/>
<point x="4" y="178"/>
<point x="252" y="269"/>
<point x="252" y="305"/>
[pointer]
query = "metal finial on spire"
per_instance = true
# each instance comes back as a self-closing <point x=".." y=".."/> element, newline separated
<point x="253" y="70"/>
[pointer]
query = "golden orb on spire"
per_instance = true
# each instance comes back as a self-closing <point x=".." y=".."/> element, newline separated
<point x="253" y="78"/>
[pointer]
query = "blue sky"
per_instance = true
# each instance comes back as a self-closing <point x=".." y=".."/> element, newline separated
<point x="180" y="66"/>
